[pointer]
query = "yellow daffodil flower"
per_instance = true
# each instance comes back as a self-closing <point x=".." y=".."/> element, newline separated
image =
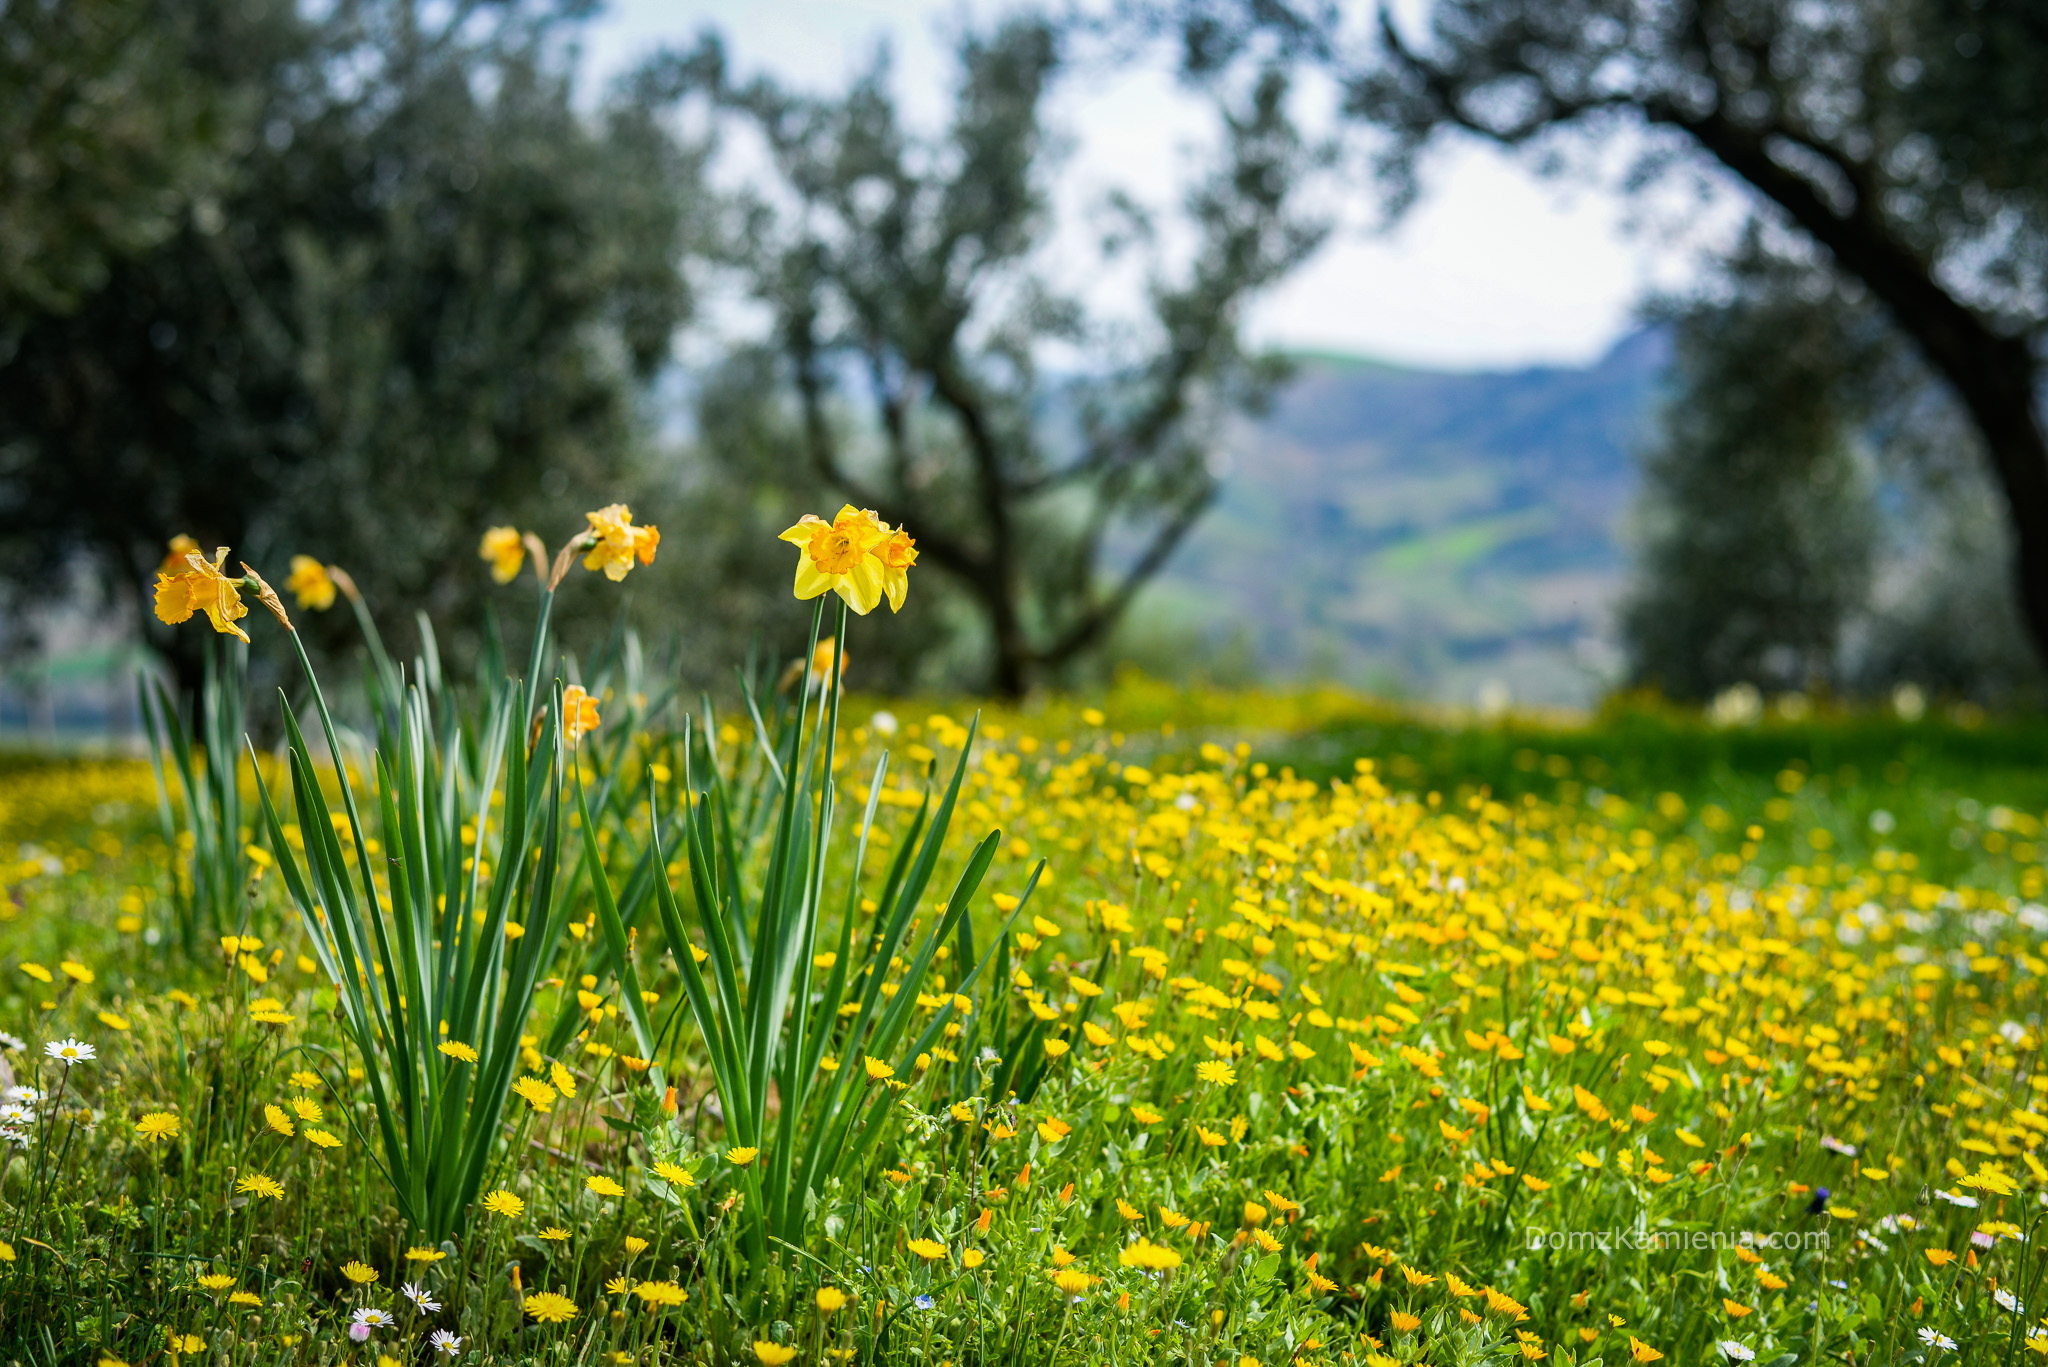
<point x="311" y="584"/>
<point x="856" y="555"/>
<point x="615" y="543"/>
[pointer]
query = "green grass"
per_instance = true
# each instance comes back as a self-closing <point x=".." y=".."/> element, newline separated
<point x="1938" y="780"/>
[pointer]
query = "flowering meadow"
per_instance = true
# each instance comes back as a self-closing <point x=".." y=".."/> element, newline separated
<point x="557" y="1018"/>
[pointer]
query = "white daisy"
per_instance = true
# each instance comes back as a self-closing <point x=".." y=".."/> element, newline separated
<point x="1935" y="1340"/>
<point x="69" y="1051"/>
<point x="445" y="1341"/>
<point x="12" y="1043"/>
<point x="1737" y="1352"/>
<point x="16" y="1115"/>
<point x="372" y="1318"/>
<point x="2007" y="1301"/>
<point x="427" y="1304"/>
<point x="21" y="1096"/>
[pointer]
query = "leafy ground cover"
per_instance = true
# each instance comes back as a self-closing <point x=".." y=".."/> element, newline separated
<point x="1329" y="1033"/>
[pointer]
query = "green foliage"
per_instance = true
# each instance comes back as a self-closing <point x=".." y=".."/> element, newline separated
<point x="115" y="114"/>
<point x="1815" y="515"/>
<point x="1669" y="1012"/>
<point x="1896" y="147"/>
<point x="423" y="269"/>
<point x="763" y="1026"/>
<point x="432" y="965"/>
<point x="1761" y="531"/>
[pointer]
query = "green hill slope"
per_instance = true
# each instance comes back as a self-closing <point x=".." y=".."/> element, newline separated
<point x="1423" y="532"/>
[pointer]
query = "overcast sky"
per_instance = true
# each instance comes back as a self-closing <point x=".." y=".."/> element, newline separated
<point x="1495" y="268"/>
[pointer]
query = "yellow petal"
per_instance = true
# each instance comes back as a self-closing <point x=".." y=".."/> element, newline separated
<point x="173" y="600"/>
<point x="896" y="583"/>
<point x="862" y="586"/>
<point x="810" y="580"/>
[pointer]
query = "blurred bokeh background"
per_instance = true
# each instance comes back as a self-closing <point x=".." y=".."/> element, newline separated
<point x="1502" y="353"/>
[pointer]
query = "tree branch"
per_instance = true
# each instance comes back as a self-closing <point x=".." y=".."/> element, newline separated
<point x="1951" y="332"/>
<point x="1104" y="614"/>
<point x="824" y="456"/>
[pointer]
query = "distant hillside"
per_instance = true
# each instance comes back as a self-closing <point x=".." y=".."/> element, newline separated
<point x="1424" y="532"/>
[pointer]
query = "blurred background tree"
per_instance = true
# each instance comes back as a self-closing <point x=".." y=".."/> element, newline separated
<point x="114" y="113"/>
<point x="911" y="315"/>
<point x="415" y="292"/>
<point x="1759" y="526"/>
<point x="1896" y="155"/>
<point x="357" y="280"/>
<point x="1816" y="515"/>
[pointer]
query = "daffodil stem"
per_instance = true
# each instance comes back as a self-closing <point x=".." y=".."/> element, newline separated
<point x="540" y="639"/>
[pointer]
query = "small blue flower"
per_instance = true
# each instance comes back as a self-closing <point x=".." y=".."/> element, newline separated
<point x="924" y="1302"/>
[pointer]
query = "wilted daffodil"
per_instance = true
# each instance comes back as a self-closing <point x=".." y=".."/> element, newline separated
<point x="617" y="543"/>
<point x="310" y="582"/>
<point x="197" y="585"/>
<point x="505" y="549"/>
<point x="856" y="555"/>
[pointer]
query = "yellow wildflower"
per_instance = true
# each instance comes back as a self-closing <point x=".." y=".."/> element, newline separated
<point x="503" y="1203"/>
<point x="157" y="1125"/>
<point x="550" y="1307"/>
